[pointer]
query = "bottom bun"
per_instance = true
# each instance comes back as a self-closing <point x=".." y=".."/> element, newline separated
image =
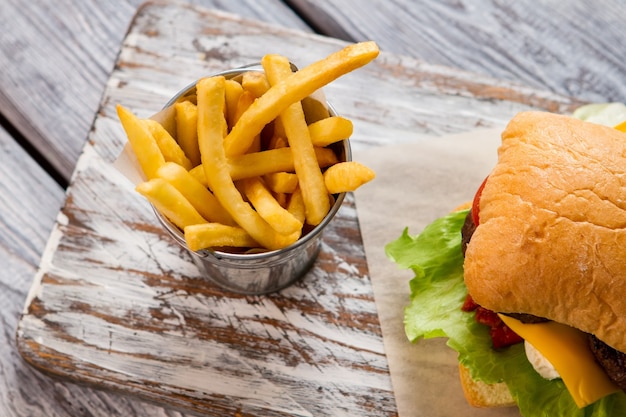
<point x="480" y="394"/>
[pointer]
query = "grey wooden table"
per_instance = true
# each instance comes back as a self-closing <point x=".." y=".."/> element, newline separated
<point x="482" y="60"/>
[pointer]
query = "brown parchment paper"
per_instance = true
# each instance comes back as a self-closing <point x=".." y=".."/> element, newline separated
<point x="416" y="183"/>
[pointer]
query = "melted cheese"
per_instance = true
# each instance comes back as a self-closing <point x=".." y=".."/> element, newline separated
<point x="621" y="127"/>
<point x="567" y="350"/>
<point x="539" y="362"/>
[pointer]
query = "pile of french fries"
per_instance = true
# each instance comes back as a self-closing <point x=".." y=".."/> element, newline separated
<point x="250" y="162"/>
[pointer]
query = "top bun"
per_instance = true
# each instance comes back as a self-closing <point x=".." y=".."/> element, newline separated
<point x="552" y="235"/>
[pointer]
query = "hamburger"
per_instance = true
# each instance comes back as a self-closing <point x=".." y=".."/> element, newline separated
<point x="540" y="257"/>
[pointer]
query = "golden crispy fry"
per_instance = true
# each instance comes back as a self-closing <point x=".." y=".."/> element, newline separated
<point x="310" y="176"/>
<point x="232" y="92"/>
<point x="197" y="194"/>
<point x="314" y="110"/>
<point x="296" y="205"/>
<point x="143" y="143"/>
<point x="330" y="130"/>
<point x="257" y="164"/>
<point x="293" y="89"/>
<point x="279" y="131"/>
<point x="274" y="160"/>
<point x="256" y="144"/>
<point x="170" y="149"/>
<point x="277" y="141"/>
<point x="245" y="100"/>
<point x="210" y="93"/>
<point x="255" y="82"/>
<point x="281" y="182"/>
<point x="347" y="176"/>
<point x="198" y="174"/>
<point x="213" y="235"/>
<point x="269" y="209"/>
<point x="170" y="202"/>
<point x="187" y="130"/>
<point x="282" y="199"/>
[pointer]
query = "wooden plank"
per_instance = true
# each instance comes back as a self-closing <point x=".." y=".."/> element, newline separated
<point x="55" y="59"/>
<point x="571" y="48"/>
<point x="148" y="324"/>
<point x="28" y="210"/>
<point x="31" y="200"/>
<point x="118" y="305"/>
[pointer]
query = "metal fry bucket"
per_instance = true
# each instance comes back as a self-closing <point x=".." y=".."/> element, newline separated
<point x="258" y="272"/>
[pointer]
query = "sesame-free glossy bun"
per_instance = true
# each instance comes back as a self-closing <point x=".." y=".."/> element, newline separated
<point x="552" y="235"/>
<point x="483" y="395"/>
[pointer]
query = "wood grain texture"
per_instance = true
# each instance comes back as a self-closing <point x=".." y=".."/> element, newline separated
<point x="55" y="59"/>
<point x="547" y="44"/>
<point x="117" y="305"/>
<point x="29" y="203"/>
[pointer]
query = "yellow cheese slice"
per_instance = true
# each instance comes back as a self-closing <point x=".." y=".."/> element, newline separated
<point x="566" y="349"/>
<point x="621" y="127"/>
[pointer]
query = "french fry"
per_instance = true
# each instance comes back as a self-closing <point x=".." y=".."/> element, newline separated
<point x="197" y="194"/>
<point x="212" y="235"/>
<point x="296" y="205"/>
<point x="232" y="92"/>
<point x="222" y="184"/>
<point x="255" y="82"/>
<point x="198" y="174"/>
<point x="347" y="176"/>
<point x="260" y="163"/>
<point x="187" y="130"/>
<point x="282" y="199"/>
<point x="256" y="144"/>
<point x="170" y="149"/>
<point x="169" y="202"/>
<point x="257" y="164"/>
<point x="245" y="100"/>
<point x="311" y="180"/>
<point x="330" y="130"/>
<point x="277" y="141"/>
<point x="269" y="209"/>
<point x="279" y="131"/>
<point x="210" y="93"/>
<point x="273" y="160"/>
<point x="281" y="182"/>
<point x="314" y="110"/>
<point x="293" y="89"/>
<point x="142" y="142"/>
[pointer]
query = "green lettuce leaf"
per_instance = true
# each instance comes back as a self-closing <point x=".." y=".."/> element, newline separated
<point x="437" y="294"/>
<point x="608" y="114"/>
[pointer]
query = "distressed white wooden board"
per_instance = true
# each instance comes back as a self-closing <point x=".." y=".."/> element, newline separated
<point x="29" y="203"/>
<point x="120" y="305"/>
<point x="117" y="304"/>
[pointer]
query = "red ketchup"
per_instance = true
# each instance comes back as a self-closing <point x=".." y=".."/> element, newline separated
<point x="501" y="334"/>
